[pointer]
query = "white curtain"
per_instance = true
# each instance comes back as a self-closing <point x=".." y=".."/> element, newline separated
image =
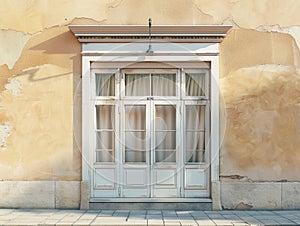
<point x="135" y="133"/>
<point x="137" y="85"/>
<point x="165" y="133"/>
<point x="195" y="133"/>
<point x="195" y="83"/>
<point x="163" y="84"/>
<point x="105" y="136"/>
<point x="105" y="84"/>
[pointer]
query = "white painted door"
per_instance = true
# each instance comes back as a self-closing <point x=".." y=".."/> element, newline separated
<point x="150" y="159"/>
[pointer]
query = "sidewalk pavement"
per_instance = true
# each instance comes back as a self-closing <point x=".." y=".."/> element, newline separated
<point x="145" y="217"/>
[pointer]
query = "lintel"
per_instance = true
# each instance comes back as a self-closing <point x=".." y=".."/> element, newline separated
<point x="173" y="33"/>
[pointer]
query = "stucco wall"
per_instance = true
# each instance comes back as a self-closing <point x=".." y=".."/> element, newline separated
<point x="40" y="82"/>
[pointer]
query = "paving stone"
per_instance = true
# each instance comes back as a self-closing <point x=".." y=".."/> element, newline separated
<point x="49" y="222"/>
<point x="198" y="213"/>
<point x="205" y="222"/>
<point x="154" y="212"/>
<point x="169" y="213"/>
<point x="250" y="220"/>
<point x="88" y="216"/>
<point x="83" y="222"/>
<point x="284" y="221"/>
<point x="173" y="223"/>
<point x="222" y="222"/>
<point x="136" y="222"/>
<point x="106" y="213"/>
<point x="94" y="211"/>
<point x="201" y="217"/>
<point x="65" y="223"/>
<point x="188" y="222"/>
<point x="183" y="213"/>
<point x="171" y="218"/>
<point x="154" y="216"/>
<point x="229" y="215"/>
<point x="155" y="222"/>
<point x="270" y="222"/>
<point x="240" y="224"/>
<point x="216" y="216"/>
<point x="138" y="212"/>
<point x="136" y="217"/>
<point x="7" y="217"/>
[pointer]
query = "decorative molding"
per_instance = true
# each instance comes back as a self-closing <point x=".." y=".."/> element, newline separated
<point x="125" y="34"/>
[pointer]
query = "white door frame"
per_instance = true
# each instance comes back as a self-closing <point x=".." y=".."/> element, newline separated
<point x="211" y="56"/>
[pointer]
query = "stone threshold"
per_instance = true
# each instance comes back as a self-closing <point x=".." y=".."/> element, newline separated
<point x="152" y="200"/>
<point x="152" y="203"/>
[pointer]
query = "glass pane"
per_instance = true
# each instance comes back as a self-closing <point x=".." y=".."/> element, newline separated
<point x="195" y="84"/>
<point x="165" y="156"/>
<point x="165" y="117"/>
<point x="105" y="116"/>
<point x="104" y="156"/>
<point x="195" y="141"/>
<point x="195" y="117"/>
<point x="137" y="84"/>
<point x="165" y="140"/>
<point x="105" y="84"/>
<point x="135" y="140"/>
<point x="105" y="140"/>
<point x="135" y="118"/>
<point x="195" y="156"/>
<point x="135" y="156"/>
<point x="163" y="84"/>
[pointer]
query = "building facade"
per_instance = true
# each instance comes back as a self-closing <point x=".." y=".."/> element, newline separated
<point x="200" y="110"/>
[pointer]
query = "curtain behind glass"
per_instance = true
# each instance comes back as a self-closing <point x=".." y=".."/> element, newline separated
<point x="165" y="133"/>
<point x="195" y="84"/>
<point x="137" y="84"/>
<point x="135" y="133"/>
<point x="195" y="133"/>
<point x="105" y="84"/>
<point x="163" y="84"/>
<point x="105" y="135"/>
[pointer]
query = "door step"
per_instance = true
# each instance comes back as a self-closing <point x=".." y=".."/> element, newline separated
<point x="151" y="203"/>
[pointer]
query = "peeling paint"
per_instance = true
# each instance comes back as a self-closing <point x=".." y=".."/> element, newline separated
<point x="5" y="130"/>
<point x="294" y="31"/>
<point x="31" y="17"/>
<point x="247" y="48"/>
<point x="14" y="86"/>
<point x="11" y="46"/>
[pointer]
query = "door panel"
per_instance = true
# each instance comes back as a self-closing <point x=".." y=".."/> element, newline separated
<point x="196" y="155"/>
<point x="136" y="143"/>
<point x="105" y="172"/>
<point x="165" y="146"/>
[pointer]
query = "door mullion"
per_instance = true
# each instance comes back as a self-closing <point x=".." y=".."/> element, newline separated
<point x="151" y="149"/>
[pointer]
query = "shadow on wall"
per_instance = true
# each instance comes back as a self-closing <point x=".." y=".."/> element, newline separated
<point x="52" y="60"/>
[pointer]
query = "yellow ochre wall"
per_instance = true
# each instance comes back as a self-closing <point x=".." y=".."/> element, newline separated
<point x="40" y="85"/>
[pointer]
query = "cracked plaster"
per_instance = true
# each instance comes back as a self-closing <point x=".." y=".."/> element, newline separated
<point x="11" y="45"/>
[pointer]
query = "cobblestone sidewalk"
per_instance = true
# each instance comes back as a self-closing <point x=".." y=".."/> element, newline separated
<point x="145" y="217"/>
